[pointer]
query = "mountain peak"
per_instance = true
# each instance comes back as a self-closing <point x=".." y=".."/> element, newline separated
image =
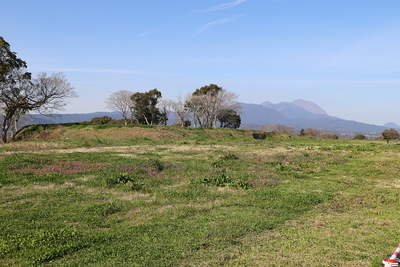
<point x="309" y="106"/>
<point x="267" y="103"/>
<point x="391" y="125"/>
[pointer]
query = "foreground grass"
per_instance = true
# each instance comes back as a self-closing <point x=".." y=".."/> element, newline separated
<point x="193" y="201"/>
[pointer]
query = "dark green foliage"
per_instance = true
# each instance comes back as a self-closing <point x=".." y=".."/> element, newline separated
<point x="101" y="120"/>
<point x="259" y="136"/>
<point x="211" y="90"/>
<point x="229" y="118"/>
<point x="9" y="61"/>
<point x="144" y="107"/>
<point x="14" y="80"/>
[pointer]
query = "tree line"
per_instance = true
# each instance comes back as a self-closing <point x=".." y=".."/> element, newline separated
<point x="20" y="94"/>
<point x="208" y="106"/>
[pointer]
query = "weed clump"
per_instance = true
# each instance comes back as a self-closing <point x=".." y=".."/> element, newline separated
<point x="104" y="209"/>
<point x="226" y="160"/>
<point x="220" y="176"/>
<point x="152" y="165"/>
<point x="123" y="179"/>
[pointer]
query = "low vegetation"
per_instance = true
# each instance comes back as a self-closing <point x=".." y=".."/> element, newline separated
<point x="84" y="195"/>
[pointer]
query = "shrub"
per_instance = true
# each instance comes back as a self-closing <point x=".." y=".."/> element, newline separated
<point x="390" y="134"/>
<point x="359" y="137"/>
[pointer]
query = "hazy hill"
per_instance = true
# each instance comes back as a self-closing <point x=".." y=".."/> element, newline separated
<point x="298" y="105"/>
<point x="70" y="118"/>
<point x="391" y="125"/>
<point x="298" y="109"/>
<point x="301" y="114"/>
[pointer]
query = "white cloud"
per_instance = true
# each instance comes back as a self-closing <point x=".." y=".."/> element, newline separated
<point x="146" y="33"/>
<point x="224" y="6"/>
<point x="200" y="11"/>
<point x="218" y="22"/>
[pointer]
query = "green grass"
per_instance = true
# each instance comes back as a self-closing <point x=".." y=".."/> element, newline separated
<point x="192" y="201"/>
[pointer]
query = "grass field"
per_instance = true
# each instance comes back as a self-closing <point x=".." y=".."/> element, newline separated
<point x="164" y="196"/>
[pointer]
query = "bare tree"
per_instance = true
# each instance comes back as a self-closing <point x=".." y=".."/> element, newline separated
<point x="121" y="102"/>
<point x="311" y="132"/>
<point x="181" y="112"/>
<point x="206" y="103"/>
<point x="20" y="95"/>
<point x="327" y="135"/>
<point x="165" y="106"/>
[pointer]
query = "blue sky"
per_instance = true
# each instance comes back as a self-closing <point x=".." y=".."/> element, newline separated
<point x="343" y="55"/>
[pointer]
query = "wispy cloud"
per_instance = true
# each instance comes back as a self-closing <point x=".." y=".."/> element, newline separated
<point x="202" y="11"/>
<point x="217" y="22"/>
<point x="224" y="6"/>
<point x="153" y="31"/>
<point x="146" y="33"/>
<point x="100" y="71"/>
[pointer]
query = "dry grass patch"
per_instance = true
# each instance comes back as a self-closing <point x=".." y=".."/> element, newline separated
<point x="33" y="146"/>
<point x="155" y="133"/>
<point x="62" y="167"/>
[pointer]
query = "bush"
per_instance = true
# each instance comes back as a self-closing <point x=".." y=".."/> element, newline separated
<point x="101" y="120"/>
<point x="259" y="136"/>
<point x="391" y="134"/>
<point x="359" y="137"/>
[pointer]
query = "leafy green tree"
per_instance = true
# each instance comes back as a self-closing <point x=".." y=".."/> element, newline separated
<point x="391" y="134"/>
<point x="144" y="108"/>
<point x="19" y="94"/>
<point x="9" y="62"/>
<point x="211" y="90"/>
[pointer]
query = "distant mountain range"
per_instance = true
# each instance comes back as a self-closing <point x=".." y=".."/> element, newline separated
<point x="299" y="114"/>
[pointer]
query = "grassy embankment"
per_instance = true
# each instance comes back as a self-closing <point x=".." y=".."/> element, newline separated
<point x="163" y="196"/>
